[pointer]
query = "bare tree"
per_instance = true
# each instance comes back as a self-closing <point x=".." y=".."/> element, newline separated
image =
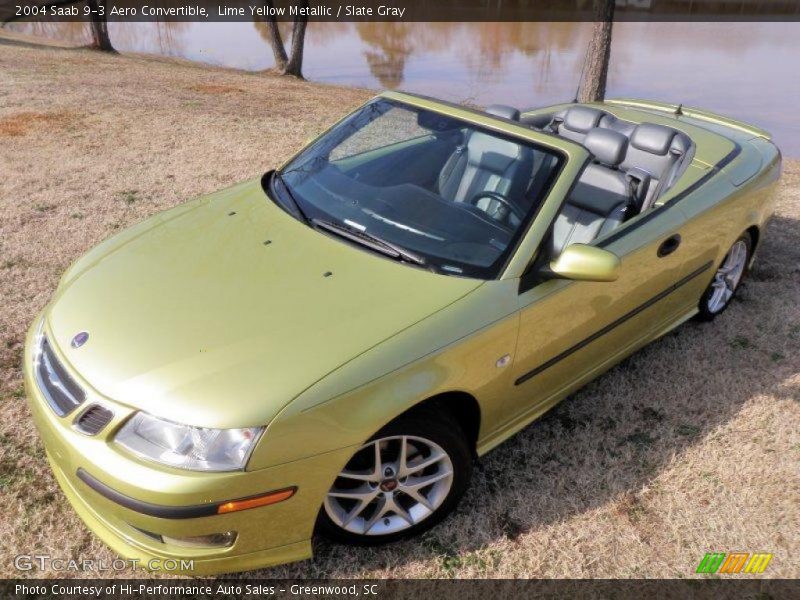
<point x="595" y="73"/>
<point x="291" y="64"/>
<point x="295" y="65"/>
<point x="98" y="23"/>
<point x="99" y="26"/>
<point x="276" y="41"/>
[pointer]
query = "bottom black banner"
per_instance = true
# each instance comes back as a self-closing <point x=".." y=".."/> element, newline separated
<point x="463" y="589"/>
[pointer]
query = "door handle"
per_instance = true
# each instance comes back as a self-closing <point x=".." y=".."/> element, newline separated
<point x="669" y="245"/>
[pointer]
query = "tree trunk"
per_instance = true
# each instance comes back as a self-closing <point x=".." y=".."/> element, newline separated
<point x="291" y="64"/>
<point x="276" y="41"/>
<point x="295" y="65"/>
<point x="593" y="84"/>
<point x="99" y="26"/>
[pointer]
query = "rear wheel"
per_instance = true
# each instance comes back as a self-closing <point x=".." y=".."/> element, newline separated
<point x="406" y="479"/>
<point x="726" y="280"/>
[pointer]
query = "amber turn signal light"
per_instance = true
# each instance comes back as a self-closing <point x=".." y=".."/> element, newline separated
<point x="256" y="501"/>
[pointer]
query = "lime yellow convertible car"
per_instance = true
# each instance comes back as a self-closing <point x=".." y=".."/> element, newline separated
<point x="326" y="349"/>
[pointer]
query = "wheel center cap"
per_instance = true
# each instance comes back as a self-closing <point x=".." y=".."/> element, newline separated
<point x="388" y="485"/>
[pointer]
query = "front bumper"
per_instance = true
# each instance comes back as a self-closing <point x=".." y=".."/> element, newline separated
<point x="267" y="535"/>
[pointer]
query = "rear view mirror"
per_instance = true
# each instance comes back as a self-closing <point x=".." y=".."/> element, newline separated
<point x="435" y="122"/>
<point x="584" y="263"/>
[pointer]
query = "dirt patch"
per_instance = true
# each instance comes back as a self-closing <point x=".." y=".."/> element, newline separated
<point x="22" y="123"/>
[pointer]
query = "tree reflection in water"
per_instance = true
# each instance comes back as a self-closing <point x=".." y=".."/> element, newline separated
<point x="739" y="69"/>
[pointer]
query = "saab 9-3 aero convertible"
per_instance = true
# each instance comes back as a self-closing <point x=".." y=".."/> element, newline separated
<point x="327" y="348"/>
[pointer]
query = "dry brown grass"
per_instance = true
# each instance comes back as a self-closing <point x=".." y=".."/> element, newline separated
<point x="214" y="89"/>
<point x="691" y="445"/>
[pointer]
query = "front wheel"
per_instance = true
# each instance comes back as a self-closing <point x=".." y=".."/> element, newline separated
<point x="402" y="482"/>
<point x="726" y="280"/>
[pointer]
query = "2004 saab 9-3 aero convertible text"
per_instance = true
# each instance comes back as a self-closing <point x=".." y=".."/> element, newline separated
<point x="328" y="348"/>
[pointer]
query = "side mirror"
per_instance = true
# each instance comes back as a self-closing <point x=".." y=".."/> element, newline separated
<point x="584" y="263"/>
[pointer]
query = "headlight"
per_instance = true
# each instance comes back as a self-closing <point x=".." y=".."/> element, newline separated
<point x="185" y="447"/>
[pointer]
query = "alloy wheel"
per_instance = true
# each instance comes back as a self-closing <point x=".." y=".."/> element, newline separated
<point x="728" y="277"/>
<point x="391" y="484"/>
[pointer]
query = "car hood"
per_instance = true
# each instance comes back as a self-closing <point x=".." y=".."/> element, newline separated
<point x="221" y="314"/>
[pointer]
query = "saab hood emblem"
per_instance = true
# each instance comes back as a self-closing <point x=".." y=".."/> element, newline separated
<point x="79" y="339"/>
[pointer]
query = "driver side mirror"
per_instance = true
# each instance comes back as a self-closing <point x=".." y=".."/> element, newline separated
<point x="583" y="263"/>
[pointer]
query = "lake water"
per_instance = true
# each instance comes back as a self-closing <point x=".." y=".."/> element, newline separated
<point x="745" y="70"/>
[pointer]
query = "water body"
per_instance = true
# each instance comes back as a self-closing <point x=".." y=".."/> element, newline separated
<point x="747" y="71"/>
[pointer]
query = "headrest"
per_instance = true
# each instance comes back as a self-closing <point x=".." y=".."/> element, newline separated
<point x="607" y="145"/>
<point x="658" y="139"/>
<point x="501" y="110"/>
<point x="491" y="153"/>
<point x="582" y="118"/>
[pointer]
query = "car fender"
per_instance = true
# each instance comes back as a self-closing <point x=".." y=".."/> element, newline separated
<point x="457" y="349"/>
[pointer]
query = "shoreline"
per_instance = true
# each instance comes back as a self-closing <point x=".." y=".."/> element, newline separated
<point x="14" y="37"/>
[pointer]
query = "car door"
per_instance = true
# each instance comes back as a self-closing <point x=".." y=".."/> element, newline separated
<point x="717" y="214"/>
<point x="570" y="331"/>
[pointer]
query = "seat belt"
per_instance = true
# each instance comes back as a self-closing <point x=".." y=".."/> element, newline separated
<point x="632" y="207"/>
<point x="538" y="177"/>
<point x="638" y="182"/>
<point x="555" y="123"/>
<point x="450" y="165"/>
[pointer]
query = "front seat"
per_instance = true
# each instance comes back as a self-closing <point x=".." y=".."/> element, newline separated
<point x="487" y="163"/>
<point x="662" y="153"/>
<point x="601" y="197"/>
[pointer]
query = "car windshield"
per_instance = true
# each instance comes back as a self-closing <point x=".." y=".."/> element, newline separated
<point x="419" y="186"/>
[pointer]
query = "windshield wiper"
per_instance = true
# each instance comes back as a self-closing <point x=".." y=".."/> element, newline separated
<point x="370" y="241"/>
<point x="303" y="216"/>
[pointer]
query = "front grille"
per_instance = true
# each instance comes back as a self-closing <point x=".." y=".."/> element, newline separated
<point x="62" y="393"/>
<point x="93" y="419"/>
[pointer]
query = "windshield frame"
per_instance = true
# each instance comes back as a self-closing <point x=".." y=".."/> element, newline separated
<point x="499" y="127"/>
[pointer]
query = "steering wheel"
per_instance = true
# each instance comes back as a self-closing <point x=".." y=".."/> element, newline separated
<point x="499" y="198"/>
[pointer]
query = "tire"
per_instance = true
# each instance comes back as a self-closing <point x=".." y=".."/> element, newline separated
<point x="727" y="279"/>
<point x="360" y="507"/>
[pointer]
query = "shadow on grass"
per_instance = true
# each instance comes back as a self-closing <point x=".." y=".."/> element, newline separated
<point x="611" y="439"/>
<point x="11" y="41"/>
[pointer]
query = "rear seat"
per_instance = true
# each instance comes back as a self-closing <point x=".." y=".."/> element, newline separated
<point x="656" y="155"/>
<point x="575" y="122"/>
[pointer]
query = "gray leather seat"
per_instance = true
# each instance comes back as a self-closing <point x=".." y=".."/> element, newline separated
<point x="661" y="154"/>
<point x="601" y="197"/>
<point x="656" y="157"/>
<point x="576" y="121"/>
<point x="486" y="163"/>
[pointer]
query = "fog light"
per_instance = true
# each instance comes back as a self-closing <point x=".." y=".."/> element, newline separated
<point x="212" y="540"/>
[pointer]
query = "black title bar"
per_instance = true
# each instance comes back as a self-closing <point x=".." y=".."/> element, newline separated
<point x="397" y="10"/>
